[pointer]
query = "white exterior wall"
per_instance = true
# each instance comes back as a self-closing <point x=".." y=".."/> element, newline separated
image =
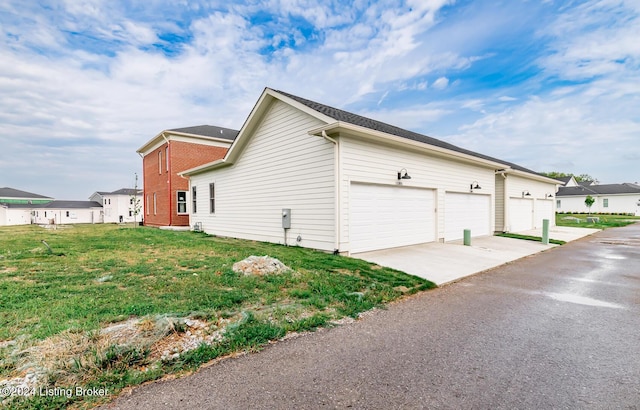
<point x="120" y="206"/>
<point x="540" y="191"/>
<point x="621" y="203"/>
<point x="76" y="216"/>
<point x="281" y="167"/>
<point x="13" y="216"/>
<point x="499" y="203"/>
<point x="367" y="162"/>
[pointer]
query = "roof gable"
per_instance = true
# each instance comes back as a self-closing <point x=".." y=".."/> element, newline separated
<point x="197" y="132"/>
<point x="330" y="115"/>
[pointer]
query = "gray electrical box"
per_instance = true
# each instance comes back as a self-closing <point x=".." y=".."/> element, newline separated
<point x="286" y="218"/>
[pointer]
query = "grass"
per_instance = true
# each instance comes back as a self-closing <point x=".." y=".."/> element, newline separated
<point x="530" y="238"/>
<point x="606" y="221"/>
<point x="57" y="301"/>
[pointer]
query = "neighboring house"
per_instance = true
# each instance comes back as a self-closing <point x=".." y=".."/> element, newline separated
<point x="68" y="212"/>
<point x="15" y="214"/>
<point x="609" y="198"/>
<point x="57" y="212"/>
<point x="119" y="206"/>
<point x="303" y="173"/>
<point x="166" y="155"/>
<point x="15" y="196"/>
<point x="15" y="206"/>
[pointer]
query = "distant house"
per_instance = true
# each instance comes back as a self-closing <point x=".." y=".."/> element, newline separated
<point x="166" y="194"/>
<point x="609" y="198"/>
<point x="67" y="212"/>
<point x="16" y="205"/>
<point x="15" y="196"/>
<point x="119" y="206"/>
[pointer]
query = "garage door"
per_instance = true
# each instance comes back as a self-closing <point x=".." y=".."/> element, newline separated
<point x="466" y="211"/>
<point x="520" y="214"/>
<point x="544" y="210"/>
<point x="390" y="216"/>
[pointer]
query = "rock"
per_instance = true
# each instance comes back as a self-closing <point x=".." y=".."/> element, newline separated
<point x="259" y="265"/>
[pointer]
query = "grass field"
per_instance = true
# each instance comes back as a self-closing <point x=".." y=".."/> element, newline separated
<point x="103" y="306"/>
<point x="606" y="221"/>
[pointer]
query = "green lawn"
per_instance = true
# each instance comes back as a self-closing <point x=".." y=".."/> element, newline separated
<point x="606" y="221"/>
<point x="53" y="304"/>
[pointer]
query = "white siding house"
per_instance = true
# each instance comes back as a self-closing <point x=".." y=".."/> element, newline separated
<point x="15" y="214"/>
<point x="351" y="184"/>
<point x="609" y="198"/>
<point x="68" y="212"/>
<point x="524" y="200"/>
<point x="119" y="206"/>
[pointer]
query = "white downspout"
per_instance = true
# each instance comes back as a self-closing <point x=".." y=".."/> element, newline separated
<point x="337" y="192"/>
<point x="507" y="225"/>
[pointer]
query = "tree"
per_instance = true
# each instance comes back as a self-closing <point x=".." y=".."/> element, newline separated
<point x="588" y="201"/>
<point x="579" y="178"/>
<point x="585" y="177"/>
<point x="135" y="203"/>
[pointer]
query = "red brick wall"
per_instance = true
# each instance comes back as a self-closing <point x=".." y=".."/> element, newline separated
<point x="182" y="156"/>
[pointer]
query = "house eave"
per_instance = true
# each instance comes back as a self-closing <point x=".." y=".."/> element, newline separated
<point x="166" y="135"/>
<point x="356" y="130"/>
<point x="536" y="177"/>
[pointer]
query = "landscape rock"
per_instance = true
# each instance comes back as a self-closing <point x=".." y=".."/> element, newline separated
<point x="259" y="265"/>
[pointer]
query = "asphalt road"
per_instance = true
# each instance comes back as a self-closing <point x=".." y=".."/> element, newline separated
<point x="557" y="330"/>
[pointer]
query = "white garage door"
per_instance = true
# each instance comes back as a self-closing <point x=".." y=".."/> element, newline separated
<point x="466" y="211"/>
<point x="390" y="216"/>
<point x="520" y="214"/>
<point x="544" y="210"/>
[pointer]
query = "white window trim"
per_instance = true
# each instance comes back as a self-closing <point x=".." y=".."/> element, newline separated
<point x="186" y="211"/>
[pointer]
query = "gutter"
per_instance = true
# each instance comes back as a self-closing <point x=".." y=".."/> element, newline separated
<point x="168" y="161"/>
<point x="337" y="166"/>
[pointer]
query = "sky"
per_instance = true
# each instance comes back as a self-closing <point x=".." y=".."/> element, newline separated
<point x="549" y="85"/>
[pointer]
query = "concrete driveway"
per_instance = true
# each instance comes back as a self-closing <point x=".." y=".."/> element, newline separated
<point x="443" y="263"/>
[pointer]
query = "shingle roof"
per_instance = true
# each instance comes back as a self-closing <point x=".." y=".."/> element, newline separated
<point x="355" y="119"/>
<point x="57" y="205"/>
<point x="209" y="131"/>
<point x="125" y="191"/>
<point x="607" y="189"/>
<point x="72" y="204"/>
<point x="7" y="192"/>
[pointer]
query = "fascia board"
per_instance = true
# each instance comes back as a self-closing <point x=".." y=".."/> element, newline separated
<point x="368" y="133"/>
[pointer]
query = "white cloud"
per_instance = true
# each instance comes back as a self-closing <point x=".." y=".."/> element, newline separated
<point x="441" y="83"/>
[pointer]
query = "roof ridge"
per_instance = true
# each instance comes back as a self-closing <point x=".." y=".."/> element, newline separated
<point x="360" y="120"/>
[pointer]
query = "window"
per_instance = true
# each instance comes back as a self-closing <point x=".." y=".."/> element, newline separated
<point x="45" y="214"/>
<point x="130" y="213"/>
<point x="147" y="203"/>
<point x="131" y="201"/>
<point x="159" y="162"/>
<point x="605" y="203"/>
<point x="212" y="198"/>
<point x="193" y="199"/>
<point x="105" y="201"/>
<point x="166" y="156"/>
<point x="558" y="202"/>
<point x="109" y="201"/>
<point x="155" y="203"/>
<point x="67" y="214"/>
<point x="182" y="202"/>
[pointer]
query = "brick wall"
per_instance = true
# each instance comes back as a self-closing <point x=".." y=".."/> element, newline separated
<point x="182" y="156"/>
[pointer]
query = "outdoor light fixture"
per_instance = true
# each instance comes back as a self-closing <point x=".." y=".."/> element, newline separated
<point x="548" y="196"/>
<point x="474" y="185"/>
<point x="525" y="193"/>
<point x="403" y="176"/>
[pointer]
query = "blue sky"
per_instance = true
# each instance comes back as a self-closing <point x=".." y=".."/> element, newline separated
<point x="552" y="86"/>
